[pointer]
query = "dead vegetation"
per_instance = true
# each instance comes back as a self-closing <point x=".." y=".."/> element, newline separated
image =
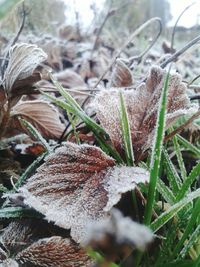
<point x="86" y="128"/>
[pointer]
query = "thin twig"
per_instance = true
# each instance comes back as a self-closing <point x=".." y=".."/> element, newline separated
<point x="194" y="87"/>
<point x="108" y="15"/>
<point x="139" y="57"/>
<point x="135" y="33"/>
<point x="180" y="52"/>
<point x="24" y="13"/>
<point x="16" y="37"/>
<point x="193" y="80"/>
<point x="195" y="97"/>
<point x="81" y="91"/>
<point x="175" y="25"/>
<point x="143" y="199"/>
<point x="183" y="126"/>
<point x="78" y="128"/>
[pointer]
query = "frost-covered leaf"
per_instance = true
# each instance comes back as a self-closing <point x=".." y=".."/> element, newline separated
<point x="142" y="105"/>
<point x="117" y="231"/>
<point x="77" y="183"/>
<point x="54" y="251"/>
<point x="43" y="116"/>
<point x="23" y="60"/>
<point x="14" y="238"/>
<point x="17" y="235"/>
<point x="23" y="241"/>
<point x="121" y="75"/>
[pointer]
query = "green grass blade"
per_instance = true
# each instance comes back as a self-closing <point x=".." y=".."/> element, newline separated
<point x="189" y="228"/>
<point x="187" y="145"/>
<point x="173" y="210"/>
<point x="197" y="262"/>
<point x="126" y="133"/>
<point x="156" y="153"/>
<point x="3" y="189"/>
<point x="172" y="175"/>
<point x="188" y="182"/>
<point x="65" y="94"/>
<point x="34" y="132"/>
<point x="187" y="263"/>
<point x="166" y="193"/>
<point x="29" y="171"/>
<point x="179" y="158"/>
<point x="59" y="102"/>
<point x="76" y="107"/>
<point x="100" y="259"/>
<point x="191" y="242"/>
<point x="72" y="120"/>
<point x="18" y="212"/>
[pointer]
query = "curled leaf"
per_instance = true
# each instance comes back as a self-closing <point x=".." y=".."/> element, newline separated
<point x="23" y="60"/>
<point x="43" y="116"/>
<point x="142" y="106"/>
<point x="54" y="251"/>
<point x="121" y="75"/>
<point x="78" y="183"/>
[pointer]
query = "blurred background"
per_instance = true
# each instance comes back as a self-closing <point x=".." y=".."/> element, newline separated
<point x="48" y="14"/>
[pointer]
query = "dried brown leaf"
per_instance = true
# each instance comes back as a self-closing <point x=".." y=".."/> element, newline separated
<point x="23" y="60"/>
<point x="53" y="50"/>
<point x="54" y="251"/>
<point x="69" y="33"/>
<point x="43" y="116"/>
<point x="69" y="79"/>
<point x="77" y="183"/>
<point x="121" y="75"/>
<point x="142" y="106"/>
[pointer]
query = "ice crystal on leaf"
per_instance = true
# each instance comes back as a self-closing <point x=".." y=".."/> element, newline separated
<point x="78" y="183"/>
<point x="142" y="106"/>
